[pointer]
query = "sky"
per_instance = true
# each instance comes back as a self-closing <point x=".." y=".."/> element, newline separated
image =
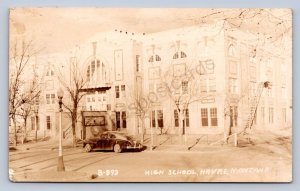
<point x="59" y="29"/>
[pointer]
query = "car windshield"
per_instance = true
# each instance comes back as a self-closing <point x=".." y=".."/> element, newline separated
<point x="129" y="137"/>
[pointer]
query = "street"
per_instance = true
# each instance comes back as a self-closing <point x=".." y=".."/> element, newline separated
<point x="261" y="162"/>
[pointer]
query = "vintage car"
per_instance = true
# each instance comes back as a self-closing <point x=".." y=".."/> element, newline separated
<point x="111" y="140"/>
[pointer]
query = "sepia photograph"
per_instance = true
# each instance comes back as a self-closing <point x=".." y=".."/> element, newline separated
<point x="150" y="95"/>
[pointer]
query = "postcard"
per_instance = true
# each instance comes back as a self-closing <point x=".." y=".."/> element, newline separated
<point x="150" y="95"/>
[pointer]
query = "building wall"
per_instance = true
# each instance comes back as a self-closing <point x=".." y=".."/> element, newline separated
<point x="223" y="68"/>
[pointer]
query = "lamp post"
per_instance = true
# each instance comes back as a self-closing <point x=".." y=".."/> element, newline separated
<point x="60" y="165"/>
<point x="36" y="111"/>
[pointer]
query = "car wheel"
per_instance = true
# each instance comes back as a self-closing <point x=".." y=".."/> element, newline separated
<point x="117" y="148"/>
<point x="88" y="148"/>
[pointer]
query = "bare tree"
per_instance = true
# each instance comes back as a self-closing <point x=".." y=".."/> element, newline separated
<point x="74" y="88"/>
<point x="182" y="89"/>
<point x="21" y="54"/>
<point x="31" y="101"/>
<point x="141" y="107"/>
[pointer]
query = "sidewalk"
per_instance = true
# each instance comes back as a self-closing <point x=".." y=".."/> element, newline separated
<point x="181" y="143"/>
<point x="51" y="144"/>
<point x="172" y="143"/>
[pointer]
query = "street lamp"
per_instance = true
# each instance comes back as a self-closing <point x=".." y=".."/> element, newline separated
<point x="60" y="165"/>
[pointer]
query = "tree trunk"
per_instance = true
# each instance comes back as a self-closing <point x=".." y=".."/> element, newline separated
<point x="15" y="131"/>
<point x="74" y="117"/>
<point x="25" y="130"/>
<point x="142" y="132"/>
<point x="227" y="128"/>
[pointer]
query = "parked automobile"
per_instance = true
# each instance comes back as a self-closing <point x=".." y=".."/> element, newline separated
<point x="111" y="140"/>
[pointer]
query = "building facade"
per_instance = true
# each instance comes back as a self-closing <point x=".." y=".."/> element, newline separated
<point x="193" y="80"/>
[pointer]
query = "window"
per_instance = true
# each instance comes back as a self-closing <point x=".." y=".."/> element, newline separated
<point x="232" y="47"/>
<point x="123" y="91"/>
<point x="184" y="86"/>
<point x="176" y="118"/>
<point x="233" y="88"/>
<point x="50" y="98"/>
<point x="284" y="115"/>
<point x="181" y="54"/>
<point x="88" y="99"/>
<point x="48" y="122"/>
<point x="93" y="99"/>
<point x="176" y="55"/>
<point x="50" y="72"/>
<point x="157" y="58"/>
<point x="93" y="66"/>
<point x="124" y="119"/>
<point x="212" y="84"/>
<point x="88" y="74"/>
<point x="213" y="117"/>
<point x="157" y="117"/>
<point x="153" y="121"/>
<point x="231" y="50"/>
<point x="160" y="118"/>
<point x="117" y="91"/>
<point x="206" y="67"/>
<point x="204" y="117"/>
<point x="118" y="119"/>
<point x="154" y="58"/>
<point x="151" y="59"/>
<point x="121" y="119"/>
<point x="271" y="115"/>
<point x="138" y="63"/>
<point x="203" y="86"/>
<point x="94" y="71"/>
<point x="53" y="98"/>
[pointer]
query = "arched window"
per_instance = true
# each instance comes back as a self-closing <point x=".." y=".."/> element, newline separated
<point x="50" y="72"/>
<point x="157" y="58"/>
<point x="179" y="55"/>
<point x="231" y="50"/>
<point x="96" y="71"/>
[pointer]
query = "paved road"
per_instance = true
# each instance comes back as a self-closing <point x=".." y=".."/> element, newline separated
<point x="226" y="164"/>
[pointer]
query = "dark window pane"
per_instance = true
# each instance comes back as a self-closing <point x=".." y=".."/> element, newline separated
<point x="123" y="119"/>
<point x="204" y="117"/>
<point x="48" y="120"/>
<point x="176" y="120"/>
<point x="117" y="91"/>
<point x="153" y="118"/>
<point x="118" y="120"/>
